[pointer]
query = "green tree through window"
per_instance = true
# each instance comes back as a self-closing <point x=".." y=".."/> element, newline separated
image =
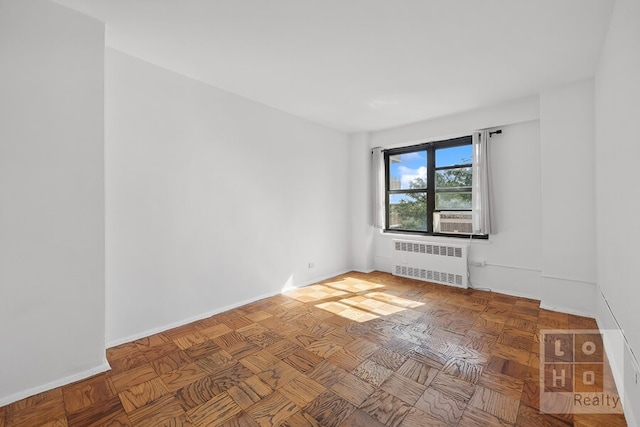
<point x="411" y="199"/>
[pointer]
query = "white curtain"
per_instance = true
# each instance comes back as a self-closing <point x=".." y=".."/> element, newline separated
<point x="481" y="191"/>
<point x="377" y="174"/>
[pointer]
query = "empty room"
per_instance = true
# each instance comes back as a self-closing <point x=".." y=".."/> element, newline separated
<point x="319" y="213"/>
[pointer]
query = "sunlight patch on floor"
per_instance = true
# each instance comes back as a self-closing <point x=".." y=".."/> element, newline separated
<point x="370" y="301"/>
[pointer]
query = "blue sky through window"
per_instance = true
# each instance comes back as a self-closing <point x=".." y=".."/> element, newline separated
<point x="453" y="156"/>
<point x="407" y="167"/>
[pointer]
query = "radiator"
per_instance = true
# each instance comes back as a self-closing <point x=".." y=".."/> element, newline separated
<point x="431" y="262"/>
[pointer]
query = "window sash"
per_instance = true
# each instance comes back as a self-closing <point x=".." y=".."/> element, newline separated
<point x="431" y="149"/>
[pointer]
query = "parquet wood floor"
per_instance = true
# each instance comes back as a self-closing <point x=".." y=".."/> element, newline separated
<point x="356" y="350"/>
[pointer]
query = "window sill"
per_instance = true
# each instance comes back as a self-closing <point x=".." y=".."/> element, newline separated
<point x="444" y="235"/>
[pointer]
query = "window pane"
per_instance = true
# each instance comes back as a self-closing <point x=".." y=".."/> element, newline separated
<point x="453" y="156"/>
<point x="408" y="170"/>
<point x="408" y="211"/>
<point x="453" y="201"/>
<point x="453" y="178"/>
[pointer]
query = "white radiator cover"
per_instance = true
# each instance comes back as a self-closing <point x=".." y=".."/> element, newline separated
<point x="431" y="261"/>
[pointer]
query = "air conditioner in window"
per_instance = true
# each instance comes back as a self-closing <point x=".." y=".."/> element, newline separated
<point x="453" y="222"/>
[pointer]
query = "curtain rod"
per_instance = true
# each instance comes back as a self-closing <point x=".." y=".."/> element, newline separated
<point x="497" y="132"/>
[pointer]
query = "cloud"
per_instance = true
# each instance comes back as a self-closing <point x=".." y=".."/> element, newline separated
<point x="407" y="174"/>
<point x="410" y="157"/>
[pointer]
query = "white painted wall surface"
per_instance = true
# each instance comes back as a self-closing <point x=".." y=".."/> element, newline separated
<point x="361" y="207"/>
<point x="211" y="200"/>
<point x="617" y="95"/>
<point x="52" y="197"/>
<point x="567" y="152"/>
<point x="513" y="255"/>
<point x="521" y="110"/>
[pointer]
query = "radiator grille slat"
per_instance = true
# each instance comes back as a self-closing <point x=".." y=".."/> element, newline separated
<point x="429" y="275"/>
<point x="425" y="248"/>
<point x="432" y="262"/>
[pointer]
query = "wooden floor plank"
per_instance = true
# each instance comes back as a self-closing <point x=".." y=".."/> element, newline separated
<point x="353" y="389"/>
<point x="278" y="375"/>
<point x="272" y="410"/>
<point x="240" y="420"/>
<point x="197" y="392"/>
<point x="216" y="362"/>
<point x="132" y="377"/>
<point x="127" y="361"/>
<point x="497" y="404"/>
<point x="302" y="390"/>
<point x="474" y="417"/>
<point x="417" y="418"/>
<point x="214" y="412"/>
<point x="404" y="388"/>
<point x="182" y="377"/>
<point x="529" y="417"/>
<point x="36" y="413"/>
<point x="452" y="386"/>
<point x="88" y="392"/>
<point x="359" y="418"/>
<point x="170" y="362"/>
<point x="142" y="394"/>
<point x="441" y="406"/>
<point x="386" y="408"/>
<point x="372" y="372"/>
<point x="107" y="412"/>
<point x="249" y="391"/>
<point x="355" y="350"/>
<point x="329" y="409"/>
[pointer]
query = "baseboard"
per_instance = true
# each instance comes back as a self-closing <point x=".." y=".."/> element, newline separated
<point x="622" y="363"/>
<point x="382" y="263"/>
<point x="219" y="310"/>
<point x="554" y="293"/>
<point x="568" y="295"/>
<point x="566" y="310"/>
<point x="357" y="270"/>
<point x="188" y="320"/>
<point x="54" y="384"/>
<point x="105" y="364"/>
<point x="509" y="292"/>
<point x="522" y="282"/>
<point x="315" y="280"/>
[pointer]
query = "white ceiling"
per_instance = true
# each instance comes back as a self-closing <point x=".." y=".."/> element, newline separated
<point x="361" y="65"/>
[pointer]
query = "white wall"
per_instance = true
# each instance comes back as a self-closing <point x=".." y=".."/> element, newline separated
<point x="617" y="91"/>
<point x="52" y="197"/>
<point x="362" y="234"/>
<point x="518" y="111"/>
<point x="513" y="255"/>
<point x="568" y="198"/>
<point x="541" y="249"/>
<point x="211" y="200"/>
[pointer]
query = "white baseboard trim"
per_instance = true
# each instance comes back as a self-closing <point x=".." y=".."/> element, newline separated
<point x="568" y="295"/>
<point x="364" y="271"/>
<point x="519" y="281"/>
<point x="510" y="292"/>
<point x="551" y="307"/>
<point x="313" y="281"/>
<point x="496" y="278"/>
<point x="54" y="384"/>
<point x="219" y="310"/>
<point x="620" y="360"/>
<point x="188" y="320"/>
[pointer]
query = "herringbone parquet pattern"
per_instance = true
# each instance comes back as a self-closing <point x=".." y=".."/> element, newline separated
<point x="357" y="350"/>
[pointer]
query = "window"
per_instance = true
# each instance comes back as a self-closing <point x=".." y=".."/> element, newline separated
<point x="429" y="182"/>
